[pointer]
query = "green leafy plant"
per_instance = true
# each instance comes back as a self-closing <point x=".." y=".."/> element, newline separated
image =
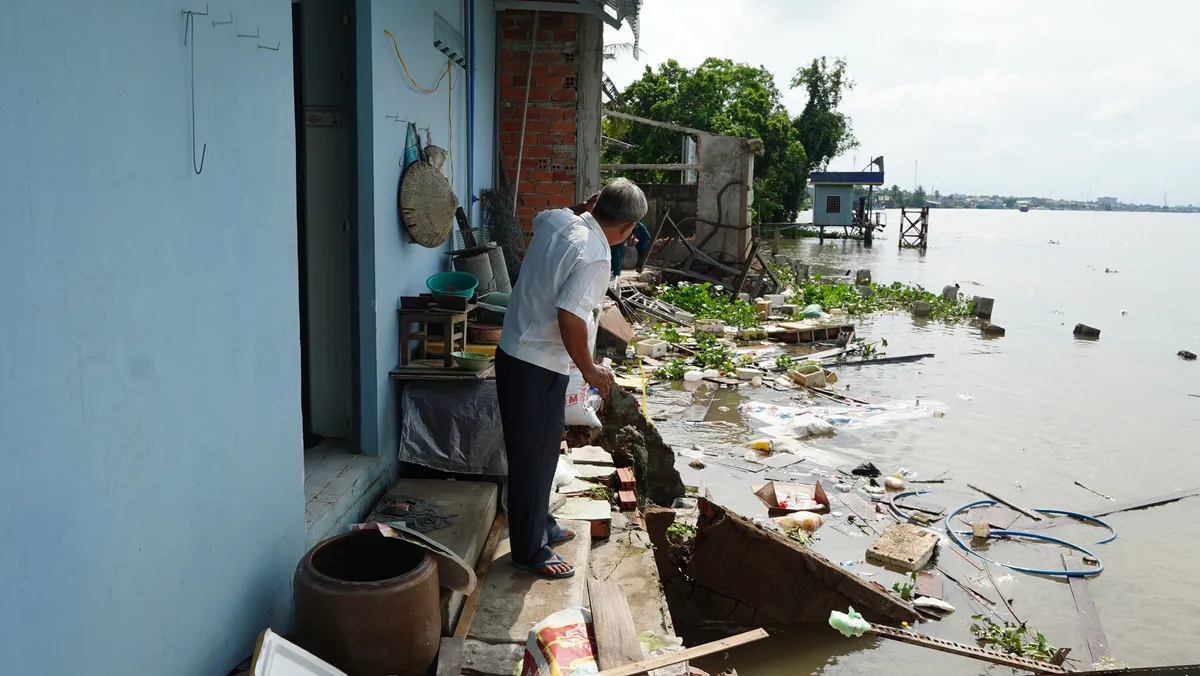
<point x="600" y="493"/>
<point x="706" y="301"/>
<point x="670" y="335"/>
<point x="871" y="350"/>
<point x="671" y="370"/>
<point x="785" y="362"/>
<point x="905" y="589"/>
<point x="1015" y="639"/>
<point x="679" y="533"/>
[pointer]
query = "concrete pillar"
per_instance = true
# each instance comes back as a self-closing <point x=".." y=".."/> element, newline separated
<point x="983" y="307"/>
<point x="801" y="270"/>
<point x="921" y="309"/>
<point x="862" y="277"/>
<point x="950" y="293"/>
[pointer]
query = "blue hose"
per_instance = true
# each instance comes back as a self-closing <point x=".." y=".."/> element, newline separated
<point x="956" y="536"/>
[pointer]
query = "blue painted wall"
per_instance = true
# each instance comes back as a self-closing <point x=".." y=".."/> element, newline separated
<point x="389" y="265"/>
<point x="152" y="508"/>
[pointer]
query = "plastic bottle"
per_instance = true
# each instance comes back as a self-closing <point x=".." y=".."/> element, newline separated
<point x="849" y="624"/>
<point x="693" y="376"/>
<point x="762" y="445"/>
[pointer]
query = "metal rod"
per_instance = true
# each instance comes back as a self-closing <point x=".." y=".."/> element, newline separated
<point x="524" y="118"/>
<point x="244" y="35"/>
<point x="273" y="49"/>
<point x="222" y="23"/>
<point x="189" y="32"/>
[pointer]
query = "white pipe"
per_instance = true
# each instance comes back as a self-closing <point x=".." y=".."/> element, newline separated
<point x="524" y="117"/>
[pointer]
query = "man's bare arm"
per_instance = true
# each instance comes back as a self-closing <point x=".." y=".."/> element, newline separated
<point x="574" y="337"/>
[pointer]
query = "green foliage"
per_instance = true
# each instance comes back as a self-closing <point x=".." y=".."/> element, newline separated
<point x="710" y="353"/>
<point x="871" y="350"/>
<point x="709" y="302"/>
<point x="785" y="362"/>
<point x="678" y="533"/>
<point x="1015" y="639"/>
<point x="905" y="589"/>
<point x="672" y="370"/>
<point x="823" y="130"/>
<point x="600" y="493"/>
<point x="721" y="97"/>
<point x="894" y="296"/>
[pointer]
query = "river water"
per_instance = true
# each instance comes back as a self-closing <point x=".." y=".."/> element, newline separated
<point x="1028" y="414"/>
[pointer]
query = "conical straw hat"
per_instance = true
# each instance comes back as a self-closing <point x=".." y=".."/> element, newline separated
<point x="427" y="204"/>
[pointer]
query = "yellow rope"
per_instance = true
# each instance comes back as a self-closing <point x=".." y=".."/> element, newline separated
<point x="405" y="67"/>
<point x="645" y="411"/>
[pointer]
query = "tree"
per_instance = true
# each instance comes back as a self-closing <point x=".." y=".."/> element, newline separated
<point x="824" y="131"/>
<point x="721" y="97"/>
<point x="896" y="196"/>
<point x="917" y="198"/>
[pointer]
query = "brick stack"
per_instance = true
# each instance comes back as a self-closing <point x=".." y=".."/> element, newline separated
<point x="549" y="162"/>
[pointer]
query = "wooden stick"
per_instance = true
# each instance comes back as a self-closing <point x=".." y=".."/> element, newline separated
<point x="953" y="648"/>
<point x="684" y="655"/>
<point x="1089" y="617"/>
<point x="481" y="570"/>
<point x="1031" y="514"/>
<point x="617" y="642"/>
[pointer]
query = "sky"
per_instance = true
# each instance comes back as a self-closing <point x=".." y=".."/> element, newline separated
<point x="1070" y="99"/>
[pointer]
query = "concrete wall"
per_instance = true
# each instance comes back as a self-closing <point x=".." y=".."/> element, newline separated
<point x="153" y="509"/>
<point x="843" y="217"/>
<point x="724" y="159"/>
<point x="390" y="266"/>
<point x="680" y="199"/>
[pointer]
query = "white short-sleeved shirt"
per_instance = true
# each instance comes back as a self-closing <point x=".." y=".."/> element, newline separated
<point x="567" y="266"/>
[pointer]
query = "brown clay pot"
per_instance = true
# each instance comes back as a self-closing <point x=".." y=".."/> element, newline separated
<point x="368" y="605"/>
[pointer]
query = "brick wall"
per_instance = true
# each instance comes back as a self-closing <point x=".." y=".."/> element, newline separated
<point x="548" y="167"/>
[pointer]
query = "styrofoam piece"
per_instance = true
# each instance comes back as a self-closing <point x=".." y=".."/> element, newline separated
<point x="277" y="656"/>
<point x="652" y="347"/>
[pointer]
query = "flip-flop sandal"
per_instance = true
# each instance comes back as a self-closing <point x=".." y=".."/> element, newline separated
<point x="542" y="568"/>
<point x="561" y="535"/>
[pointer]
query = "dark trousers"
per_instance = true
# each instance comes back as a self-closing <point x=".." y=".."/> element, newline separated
<point x="531" y="408"/>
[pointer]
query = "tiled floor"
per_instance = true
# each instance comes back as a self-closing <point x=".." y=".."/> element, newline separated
<point x="335" y="481"/>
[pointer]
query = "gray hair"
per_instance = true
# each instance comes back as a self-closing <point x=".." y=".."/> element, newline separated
<point x="620" y="202"/>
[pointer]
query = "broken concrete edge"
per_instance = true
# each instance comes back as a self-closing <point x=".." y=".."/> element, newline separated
<point x="627" y="432"/>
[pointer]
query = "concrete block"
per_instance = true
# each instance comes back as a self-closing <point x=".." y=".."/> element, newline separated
<point x="862" y="277"/>
<point x="904" y="546"/>
<point x="512" y="600"/>
<point x="950" y="292"/>
<point x="990" y="329"/>
<point x="789" y="310"/>
<point x="715" y="327"/>
<point x="781" y="259"/>
<point x="590" y="455"/>
<point x="1085" y="331"/>
<point x="652" y="347"/>
<point x="745" y="297"/>
<point x="748" y="373"/>
<point x="492" y="660"/>
<point x="801" y="269"/>
<point x="865" y="291"/>
<point x="983" y="307"/>
<point x="921" y="309"/>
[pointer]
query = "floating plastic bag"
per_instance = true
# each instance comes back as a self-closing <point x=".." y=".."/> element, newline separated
<point x="561" y="645"/>
<point x="813" y="310"/>
<point x="850" y="624"/>
<point x="564" y="473"/>
<point x="805" y="521"/>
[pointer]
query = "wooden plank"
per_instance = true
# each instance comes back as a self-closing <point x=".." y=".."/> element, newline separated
<point x="1029" y="513"/>
<point x="930" y="584"/>
<point x="999" y="517"/>
<point x="616" y="638"/>
<point x="1089" y="617"/>
<point x="481" y="570"/>
<point x="450" y="656"/>
<point x="1148" y="502"/>
<point x="643" y="666"/>
<point x="781" y="460"/>
<point x="920" y="506"/>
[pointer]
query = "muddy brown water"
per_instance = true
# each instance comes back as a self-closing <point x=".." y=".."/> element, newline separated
<point x="1027" y="415"/>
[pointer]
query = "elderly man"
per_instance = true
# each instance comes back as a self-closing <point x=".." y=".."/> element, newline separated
<point x="563" y="278"/>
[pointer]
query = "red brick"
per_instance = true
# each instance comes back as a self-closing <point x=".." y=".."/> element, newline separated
<point x="570" y="20"/>
<point x="568" y="113"/>
<point x="543" y="176"/>
<point x="563" y="126"/>
<point x="513" y="66"/>
<point x="550" y="81"/>
<point x="525" y="212"/>
<point x="512" y="92"/>
<point x="562" y="200"/>
<point x="551" y="20"/>
<point x="566" y="34"/>
<point x="562" y="95"/>
<point x="549" y="188"/>
<point x="564" y="69"/>
<point x="550" y="57"/>
<point x="540" y="93"/>
<point x="510" y="125"/>
<point x="538" y="151"/>
<point x="541" y="69"/>
<point x="568" y="139"/>
<point x="537" y="126"/>
<point x="549" y="139"/>
<point x="534" y="200"/>
<point x="564" y="176"/>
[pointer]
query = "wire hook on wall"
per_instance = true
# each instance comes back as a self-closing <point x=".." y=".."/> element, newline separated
<point x="273" y="49"/>
<point x="189" y="38"/>
<point x="247" y="35"/>
<point x="223" y="23"/>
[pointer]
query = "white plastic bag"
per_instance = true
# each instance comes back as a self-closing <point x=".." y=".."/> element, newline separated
<point x="581" y="404"/>
<point x="564" y="473"/>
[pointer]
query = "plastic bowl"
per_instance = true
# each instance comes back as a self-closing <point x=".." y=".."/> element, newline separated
<point x="472" y="361"/>
<point x="453" y="284"/>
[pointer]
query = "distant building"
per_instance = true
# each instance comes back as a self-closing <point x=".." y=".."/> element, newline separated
<point x="1107" y="201"/>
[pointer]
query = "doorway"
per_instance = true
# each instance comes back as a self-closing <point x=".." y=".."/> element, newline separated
<point x="323" y="39"/>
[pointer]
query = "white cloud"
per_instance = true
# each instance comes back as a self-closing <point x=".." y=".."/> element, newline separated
<point x="1015" y="97"/>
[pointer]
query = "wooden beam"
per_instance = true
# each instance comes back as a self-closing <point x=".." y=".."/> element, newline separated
<point x="653" y="663"/>
<point x="1148" y="502"/>
<point x="653" y="167"/>
<point x="1029" y="513"/>
<point x="1089" y="617"/>
<point x="654" y="123"/>
<point x="463" y="626"/>
<point x="942" y="645"/>
<point x="617" y="642"/>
